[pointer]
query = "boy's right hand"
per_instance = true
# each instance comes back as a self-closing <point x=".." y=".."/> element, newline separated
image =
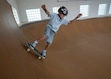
<point x="43" y="6"/>
<point x="45" y="9"/>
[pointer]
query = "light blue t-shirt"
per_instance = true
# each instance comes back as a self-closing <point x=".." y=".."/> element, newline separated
<point x="55" y="22"/>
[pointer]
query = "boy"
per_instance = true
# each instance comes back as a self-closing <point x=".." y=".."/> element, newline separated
<point x="56" y="20"/>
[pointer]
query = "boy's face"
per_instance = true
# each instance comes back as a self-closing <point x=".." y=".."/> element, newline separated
<point x="61" y="15"/>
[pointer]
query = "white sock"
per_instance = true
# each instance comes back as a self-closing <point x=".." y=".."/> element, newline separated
<point x="44" y="50"/>
<point x="36" y="41"/>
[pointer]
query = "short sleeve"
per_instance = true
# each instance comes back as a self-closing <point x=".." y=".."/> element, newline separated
<point x="51" y="15"/>
<point x="65" y="22"/>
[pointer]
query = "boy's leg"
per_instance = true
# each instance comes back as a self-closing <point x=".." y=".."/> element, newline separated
<point x="45" y="49"/>
<point x="46" y="34"/>
<point x="49" y="42"/>
<point x="42" y="38"/>
<point x="47" y="46"/>
<point x="34" y="43"/>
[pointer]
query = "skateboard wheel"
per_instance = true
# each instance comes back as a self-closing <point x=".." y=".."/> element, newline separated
<point x="28" y="50"/>
<point x="39" y="58"/>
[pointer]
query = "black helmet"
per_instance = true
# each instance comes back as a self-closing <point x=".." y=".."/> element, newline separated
<point x="63" y="10"/>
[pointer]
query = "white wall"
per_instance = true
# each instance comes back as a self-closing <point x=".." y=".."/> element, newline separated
<point x="14" y="4"/>
<point x="73" y="7"/>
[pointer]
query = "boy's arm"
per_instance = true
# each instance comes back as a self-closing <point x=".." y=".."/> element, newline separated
<point x="79" y="15"/>
<point x="45" y="9"/>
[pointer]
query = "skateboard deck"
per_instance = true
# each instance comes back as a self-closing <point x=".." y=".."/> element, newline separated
<point x="30" y="47"/>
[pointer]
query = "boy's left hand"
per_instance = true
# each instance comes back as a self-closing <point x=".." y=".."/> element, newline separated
<point x="43" y="6"/>
<point x="79" y="15"/>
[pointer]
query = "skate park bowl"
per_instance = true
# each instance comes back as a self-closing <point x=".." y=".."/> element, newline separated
<point x="81" y="50"/>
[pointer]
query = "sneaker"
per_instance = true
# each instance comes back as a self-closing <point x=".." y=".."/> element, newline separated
<point x="34" y="43"/>
<point x="44" y="54"/>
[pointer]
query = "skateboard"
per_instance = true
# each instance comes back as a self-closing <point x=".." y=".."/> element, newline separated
<point x="30" y="47"/>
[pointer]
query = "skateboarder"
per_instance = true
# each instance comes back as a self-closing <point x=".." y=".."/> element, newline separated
<point x="56" y="20"/>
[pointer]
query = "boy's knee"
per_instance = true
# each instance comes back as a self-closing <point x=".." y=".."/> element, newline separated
<point x="45" y="36"/>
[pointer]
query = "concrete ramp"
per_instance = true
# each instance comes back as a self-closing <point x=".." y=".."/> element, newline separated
<point x="81" y="50"/>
